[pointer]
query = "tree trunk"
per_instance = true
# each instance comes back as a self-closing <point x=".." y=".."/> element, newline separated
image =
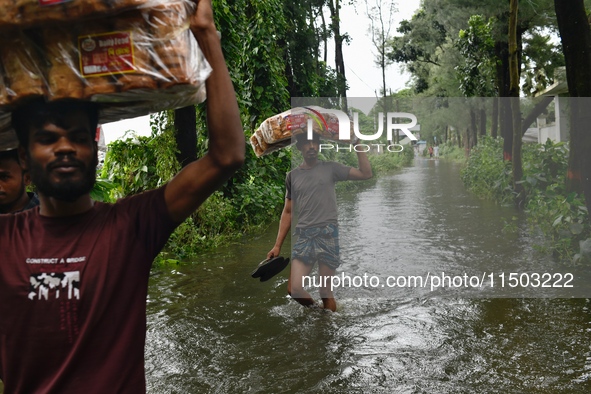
<point x="506" y="126"/>
<point x="495" y="118"/>
<point x="515" y="107"/>
<point x="473" y="131"/>
<point x="467" y="142"/>
<point x="575" y="35"/>
<point x="503" y="85"/>
<point x="535" y="112"/>
<point x="185" y="124"/>
<point x="482" y="118"/>
<point x="335" y="8"/>
<point x="325" y="39"/>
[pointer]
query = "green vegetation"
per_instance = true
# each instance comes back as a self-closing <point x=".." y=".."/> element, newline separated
<point x="486" y="174"/>
<point x="451" y="151"/>
<point x="385" y="163"/>
<point x="246" y="202"/>
<point x="561" y="216"/>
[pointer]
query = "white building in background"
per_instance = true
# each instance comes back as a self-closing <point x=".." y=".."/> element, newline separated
<point x="556" y="129"/>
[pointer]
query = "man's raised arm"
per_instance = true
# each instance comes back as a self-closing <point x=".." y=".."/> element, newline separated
<point x="364" y="170"/>
<point x="197" y="181"/>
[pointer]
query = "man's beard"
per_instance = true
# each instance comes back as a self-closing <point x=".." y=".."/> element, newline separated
<point x="66" y="190"/>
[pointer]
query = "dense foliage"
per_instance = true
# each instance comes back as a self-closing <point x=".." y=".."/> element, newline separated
<point x="476" y="71"/>
<point x="386" y="162"/>
<point x="559" y="215"/>
<point x="451" y="151"/>
<point x="459" y="46"/>
<point x="250" y="199"/>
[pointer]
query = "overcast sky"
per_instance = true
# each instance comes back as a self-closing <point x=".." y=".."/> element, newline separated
<point x="363" y="76"/>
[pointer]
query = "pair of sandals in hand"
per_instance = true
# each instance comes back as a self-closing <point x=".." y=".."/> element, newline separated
<point x="269" y="268"/>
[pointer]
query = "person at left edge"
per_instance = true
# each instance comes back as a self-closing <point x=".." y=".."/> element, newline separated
<point x="14" y="197"/>
<point x="74" y="273"/>
<point x="13" y="183"/>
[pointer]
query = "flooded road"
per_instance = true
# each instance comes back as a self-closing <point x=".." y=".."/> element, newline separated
<point x="214" y="329"/>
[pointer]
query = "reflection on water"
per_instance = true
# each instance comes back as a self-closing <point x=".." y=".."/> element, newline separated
<point x="213" y="329"/>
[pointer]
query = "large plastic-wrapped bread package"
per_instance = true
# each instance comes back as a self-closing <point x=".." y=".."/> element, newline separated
<point x="278" y="131"/>
<point x="140" y="61"/>
<point x="21" y="66"/>
<point x="30" y="13"/>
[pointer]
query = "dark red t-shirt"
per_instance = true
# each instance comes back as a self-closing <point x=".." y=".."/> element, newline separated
<point x="73" y="296"/>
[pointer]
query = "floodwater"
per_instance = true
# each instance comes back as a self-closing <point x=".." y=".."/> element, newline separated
<point x="214" y="329"/>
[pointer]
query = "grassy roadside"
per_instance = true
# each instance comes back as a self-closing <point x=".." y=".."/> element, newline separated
<point x="561" y="216"/>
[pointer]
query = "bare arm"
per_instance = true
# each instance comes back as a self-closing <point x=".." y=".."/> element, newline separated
<point x="197" y="181"/>
<point x="284" y="226"/>
<point x="364" y="170"/>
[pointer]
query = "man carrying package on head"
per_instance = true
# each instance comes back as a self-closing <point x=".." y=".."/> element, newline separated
<point x="74" y="272"/>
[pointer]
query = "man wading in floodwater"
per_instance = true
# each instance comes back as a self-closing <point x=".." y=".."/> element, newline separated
<point x="311" y="186"/>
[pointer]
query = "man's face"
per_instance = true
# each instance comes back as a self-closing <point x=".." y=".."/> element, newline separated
<point x="62" y="158"/>
<point x="12" y="184"/>
<point x="309" y="148"/>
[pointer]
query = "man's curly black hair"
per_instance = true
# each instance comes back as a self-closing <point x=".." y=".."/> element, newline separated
<point x="37" y="112"/>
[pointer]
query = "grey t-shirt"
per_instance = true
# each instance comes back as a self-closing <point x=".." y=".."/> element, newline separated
<point x="312" y="192"/>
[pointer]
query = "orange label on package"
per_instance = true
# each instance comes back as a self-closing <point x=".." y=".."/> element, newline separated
<point x="106" y="54"/>
<point x="295" y="122"/>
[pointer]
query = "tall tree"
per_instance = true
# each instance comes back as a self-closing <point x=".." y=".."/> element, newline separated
<point x="515" y="107"/>
<point x="476" y="72"/>
<point x="421" y="46"/>
<point x="427" y="54"/>
<point x="335" y="26"/>
<point x="540" y="59"/>
<point x="305" y="33"/>
<point x="575" y="35"/>
<point x="380" y="14"/>
<point x="185" y="124"/>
